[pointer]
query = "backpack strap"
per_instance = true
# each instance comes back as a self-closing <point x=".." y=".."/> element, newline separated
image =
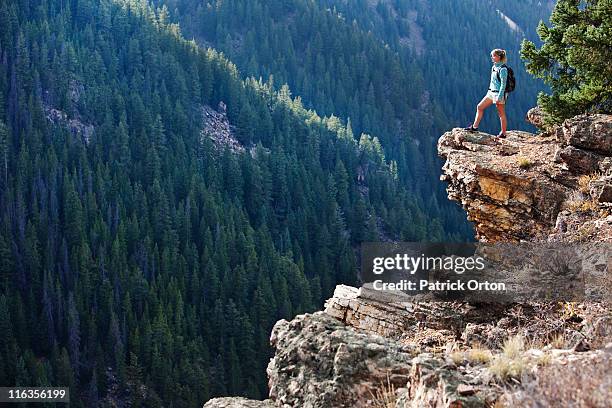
<point x="497" y="71"/>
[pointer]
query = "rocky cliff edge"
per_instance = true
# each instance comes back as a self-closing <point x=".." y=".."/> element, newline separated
<point x="553" y="186"/>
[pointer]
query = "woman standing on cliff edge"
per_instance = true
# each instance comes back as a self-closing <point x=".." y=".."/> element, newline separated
<point x="496" y="94"/>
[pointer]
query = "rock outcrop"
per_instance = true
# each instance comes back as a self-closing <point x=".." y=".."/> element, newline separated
<point x="216" y="126"/>
<point x="535" y="116"/>
<point x="553" y="186"/>
<point x="320" y="362"/>
<point x="77" y="128"/>
<point x="335" y="359"/>
<point x="361" y="352"/>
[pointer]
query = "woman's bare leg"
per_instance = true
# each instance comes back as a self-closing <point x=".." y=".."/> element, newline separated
<point x="482" y="105"/>
<point x="501" y="110"/>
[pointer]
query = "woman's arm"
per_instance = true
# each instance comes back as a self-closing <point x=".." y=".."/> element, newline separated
<point x="503" y="76"/>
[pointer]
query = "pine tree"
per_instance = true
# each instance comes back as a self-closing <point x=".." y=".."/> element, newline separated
<point x="573" y="59"/>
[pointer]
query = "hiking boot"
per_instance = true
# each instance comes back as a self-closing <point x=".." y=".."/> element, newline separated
<point x="471" y="128"/>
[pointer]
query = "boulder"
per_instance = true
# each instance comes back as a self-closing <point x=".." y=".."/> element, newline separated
<point x="535" y="116"/>
<point x="577" y="160"/>
<point x="320" y="362"/>
<point x="588" y="131"/>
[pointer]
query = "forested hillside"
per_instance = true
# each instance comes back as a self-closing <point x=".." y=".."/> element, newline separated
<point x="336" y="68"/>
<point x="140" y="262"/>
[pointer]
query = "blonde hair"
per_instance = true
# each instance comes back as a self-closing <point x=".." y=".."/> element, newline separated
<point x="501" y="54"/>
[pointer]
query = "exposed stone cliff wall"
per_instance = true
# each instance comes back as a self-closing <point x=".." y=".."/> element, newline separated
<point x="528" y="187"/>
<point x="361" y="352"/>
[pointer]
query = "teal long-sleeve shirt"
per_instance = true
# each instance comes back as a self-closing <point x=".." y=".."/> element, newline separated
<point x="498" y="84"/>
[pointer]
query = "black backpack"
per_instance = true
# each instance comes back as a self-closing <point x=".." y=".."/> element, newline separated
<point x="510" y="81"/>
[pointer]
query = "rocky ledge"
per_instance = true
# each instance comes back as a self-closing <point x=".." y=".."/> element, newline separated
<point x="556" y="185"/>
<point x="363" y="352"/>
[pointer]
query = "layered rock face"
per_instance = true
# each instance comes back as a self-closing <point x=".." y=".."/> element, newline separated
<point x="320" y="362"/>
<point x="532" y="187"/>
<point x="367" y="349"/>
<point x="362" y="352"/>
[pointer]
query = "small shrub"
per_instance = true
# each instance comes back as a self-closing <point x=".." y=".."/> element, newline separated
<point x="510" y="363"/>
<point x="585" y="181"/>
<point x="504" y="367"/>
<point x="578" y="203"/>
<point x="385" y="396"/>
<point x="574" y="201"/>
<point x="524" y="162"/>
<point x="568" y="310"/>
<point x="544" y="359"/>
<point x="514" y="346"/>
<point x="457" y="357"/>
<point x="558" y="341"/>
<point x="578" y="385"/>
<point x="479" y="355"/>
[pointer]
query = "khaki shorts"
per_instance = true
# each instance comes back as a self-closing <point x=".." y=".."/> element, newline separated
<point x="493" y="96"/>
